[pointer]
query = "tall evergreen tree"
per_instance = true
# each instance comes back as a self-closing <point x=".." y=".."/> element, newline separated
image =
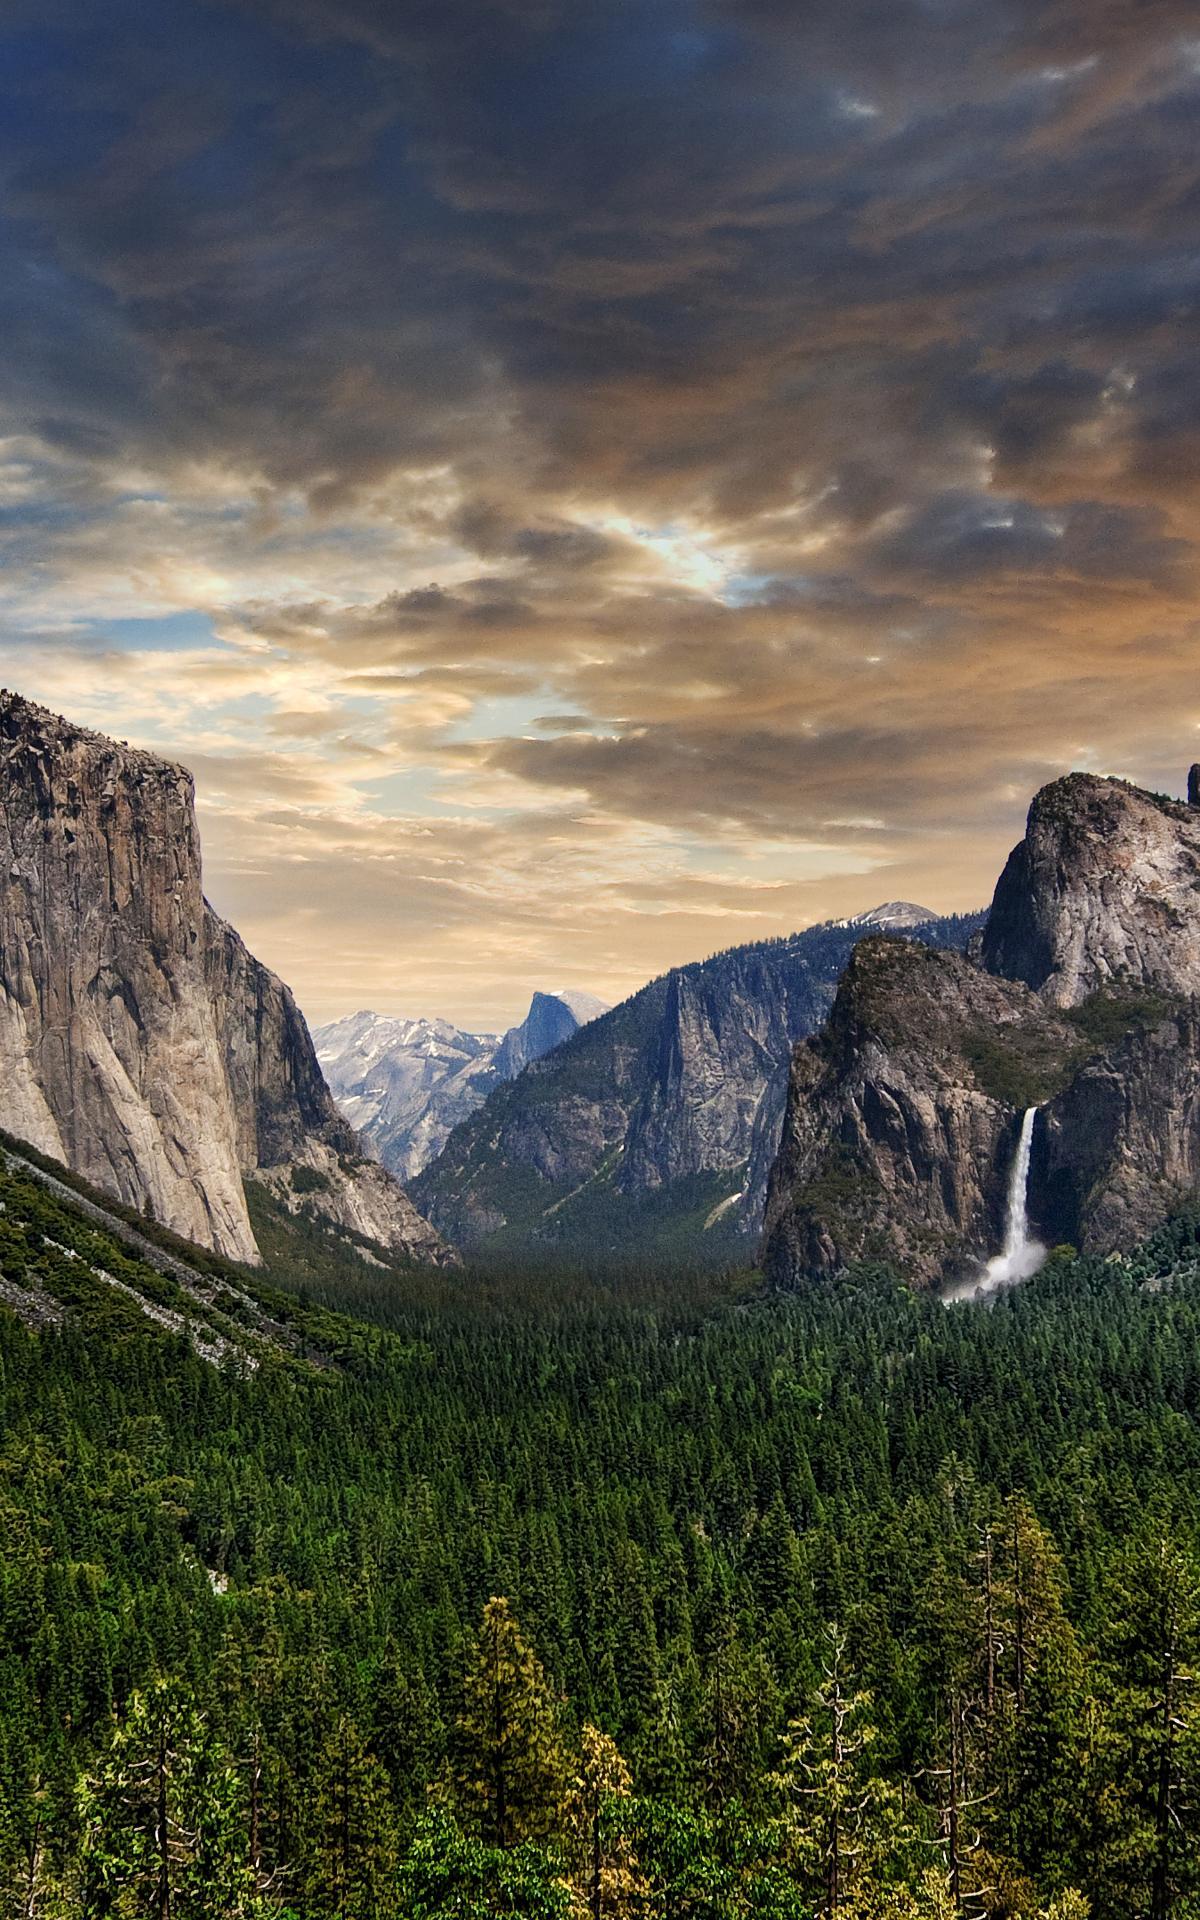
<point x="844" y="1820"/>
<point x="163" y="1834"/>
<point x="351" y="1856"/>
<point x="511" y="1767"/>
<point x="607" y="1873"/>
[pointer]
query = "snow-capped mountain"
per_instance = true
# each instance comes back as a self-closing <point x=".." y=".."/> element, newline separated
<point x="894" y="916"/>
<point x="407" y="1083"/>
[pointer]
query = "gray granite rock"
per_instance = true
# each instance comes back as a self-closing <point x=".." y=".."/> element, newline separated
<point x="140" y="1042"/>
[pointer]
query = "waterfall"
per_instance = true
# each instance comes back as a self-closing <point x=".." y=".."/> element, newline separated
<point x="1020" y="1256"/>
<point x="1016" y="1236"/>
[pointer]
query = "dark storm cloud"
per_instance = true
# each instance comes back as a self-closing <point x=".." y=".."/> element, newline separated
<point x="786" y="413"/>
<point x="959" y="537"/>
<point x="369" y="223"/>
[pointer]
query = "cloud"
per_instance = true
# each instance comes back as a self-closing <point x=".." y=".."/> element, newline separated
<point x="607" y="450"/>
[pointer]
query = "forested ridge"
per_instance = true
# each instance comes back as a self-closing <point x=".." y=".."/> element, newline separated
<point x="674" y="1601"/>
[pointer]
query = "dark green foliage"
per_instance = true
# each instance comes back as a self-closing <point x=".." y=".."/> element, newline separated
<point x="1019" y="1065"/>
<point x="309" y="1180"/>
<point x="1106" y="1016"/>
<point x="271" y="1583"/>
<point x="1023" y="1066"/>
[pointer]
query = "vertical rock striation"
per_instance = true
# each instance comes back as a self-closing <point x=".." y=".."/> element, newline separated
<point x="139" y="1041"/>
<point x="1086" y="1002"/>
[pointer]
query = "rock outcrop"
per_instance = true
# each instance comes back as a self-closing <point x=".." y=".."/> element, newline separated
<point x="653" y="1127"/>
<point x="1081" y="1000"/>
<point x="140" y="1042"/>
<point x="1103" y="891"/>
<point x="1118" y="1150"/>
<point x="552" y="1018"/>
<point x="902" y="1116"/>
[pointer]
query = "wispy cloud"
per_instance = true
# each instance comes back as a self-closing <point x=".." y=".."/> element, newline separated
<point x="583" y="485"/>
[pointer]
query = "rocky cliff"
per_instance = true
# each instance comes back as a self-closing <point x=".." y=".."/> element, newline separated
<point x="1104" y="890"/>
<point x="902" y="1118"/>
<point x="652" y="1128"/>
<point x="140" y="1042"/>
<point x="408" y="1083"/>
<point x="552" y="1018"/>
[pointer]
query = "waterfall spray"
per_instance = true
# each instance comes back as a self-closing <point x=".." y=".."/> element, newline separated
<point x="1021" y="1256"/>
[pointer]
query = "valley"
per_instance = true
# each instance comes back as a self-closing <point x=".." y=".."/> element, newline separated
<point x="599" y="960"/>
<point x="554" y="1542"/>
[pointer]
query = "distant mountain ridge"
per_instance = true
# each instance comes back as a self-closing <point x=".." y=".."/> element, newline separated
<point x="655" y="1126"/>
<point x="894" y="916"/>
<point x="407" y="1083"/>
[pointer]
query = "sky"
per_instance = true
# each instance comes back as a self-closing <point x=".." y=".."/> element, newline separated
<point x="583" y="486"/>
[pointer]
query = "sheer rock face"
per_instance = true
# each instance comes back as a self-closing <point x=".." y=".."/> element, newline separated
<point x="897" y="1139"/>
<point x="667" y="1109"/>
<point x="139" y="1041"/>
<point x="721" y="1038"/>
<point x="902" y="1120"/>
<point x="1118" y="1150"/>
<point x="1103" y="890"/>
<point x="548" y="1023"/>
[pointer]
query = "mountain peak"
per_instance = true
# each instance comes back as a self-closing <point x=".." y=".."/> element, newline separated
<point x="892" y="914"/>
<point x="1102" y="891"/>
<point x="585" y="1006"/>
<point x="408" y="1082"/>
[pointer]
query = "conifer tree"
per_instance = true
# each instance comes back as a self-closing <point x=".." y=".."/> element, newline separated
<point x="163" y="1837"/>
<point x="1154" y="1740"/>
<point x="352" y="1857"/>
<point x="608" y="1877"/>
<point x="844" y="1821"/>
<point x="510" y="1763"/>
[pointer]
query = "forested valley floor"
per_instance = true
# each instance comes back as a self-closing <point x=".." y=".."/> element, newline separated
<point x="643" y="1597"/>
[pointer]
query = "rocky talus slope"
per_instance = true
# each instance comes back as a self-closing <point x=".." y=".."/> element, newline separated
<point x="902" y="1116"/>
<point x="140" y="1042"/>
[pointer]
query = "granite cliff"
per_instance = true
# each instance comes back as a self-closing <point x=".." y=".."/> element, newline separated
<point x="1104" y="890"/>
<point x="140" y="1042"/>
<point x="654" y="1127"/>
<point x="902" y="1117"/>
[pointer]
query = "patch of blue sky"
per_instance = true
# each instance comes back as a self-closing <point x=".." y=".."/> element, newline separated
<point x="500" y="718"/>
<point x="408" y="793"/>
<point x="747" y="589"/>
<point x="155" y="633"/>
